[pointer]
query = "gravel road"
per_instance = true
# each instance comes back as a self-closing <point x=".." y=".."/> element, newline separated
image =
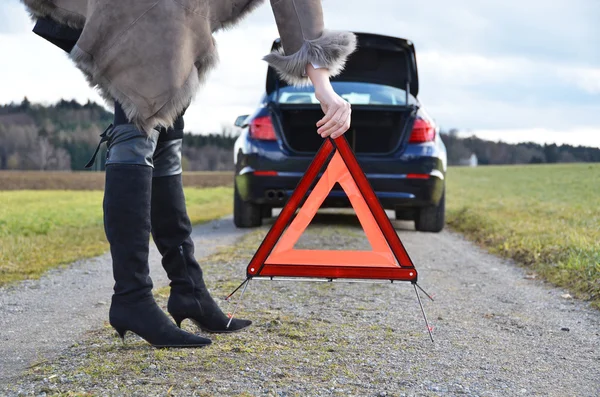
<point x="39" y="318"/>
<point x="497" y="331"/>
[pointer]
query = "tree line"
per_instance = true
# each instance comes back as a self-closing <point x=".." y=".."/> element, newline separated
<point x="488" y="152"/>
<point x="63" y="136"/>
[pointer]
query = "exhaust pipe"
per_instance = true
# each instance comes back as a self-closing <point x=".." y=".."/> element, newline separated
<point x="278" y="195"/>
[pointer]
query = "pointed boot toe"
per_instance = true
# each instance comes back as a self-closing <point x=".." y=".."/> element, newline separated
<point x="204" y="312"/>
<point x="238" y="324"/>
<point x="178" y="338"/>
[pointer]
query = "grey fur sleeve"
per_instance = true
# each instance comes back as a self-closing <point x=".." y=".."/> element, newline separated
<point x="304" y="40"/>
<point x="328" y="51"/>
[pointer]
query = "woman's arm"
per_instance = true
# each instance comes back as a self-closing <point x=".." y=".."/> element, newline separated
<point x="337" y="110"/>
<point x="304" y="43"/>
<point x="305" y="40"/>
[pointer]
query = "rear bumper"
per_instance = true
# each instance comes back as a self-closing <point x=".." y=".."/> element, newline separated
<point x="407" y="190"/>
<point x="267" y="173"/>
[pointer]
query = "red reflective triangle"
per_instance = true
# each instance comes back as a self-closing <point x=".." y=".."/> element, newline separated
<point x="336" y="172"/>
<point x="276" y="256"/>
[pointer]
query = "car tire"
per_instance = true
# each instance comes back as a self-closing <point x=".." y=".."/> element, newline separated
<point x="403" y="214"/>
<point x="432" y="219"/>
<point x="266" y="211"/>
<point x="245" y="214"/>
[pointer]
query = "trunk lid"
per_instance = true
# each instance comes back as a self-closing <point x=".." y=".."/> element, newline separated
<point x="378" y="59"/>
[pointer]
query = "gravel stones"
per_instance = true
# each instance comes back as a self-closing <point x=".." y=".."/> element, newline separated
<point x="497" y="334"/>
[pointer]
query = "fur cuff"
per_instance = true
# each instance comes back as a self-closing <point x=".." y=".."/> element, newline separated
<point x="329" y="51"/>
<point x="45" y="8"/>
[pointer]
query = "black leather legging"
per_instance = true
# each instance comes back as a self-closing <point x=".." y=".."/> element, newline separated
<point x="163" y="154"/>
<point x="121" y="118"/>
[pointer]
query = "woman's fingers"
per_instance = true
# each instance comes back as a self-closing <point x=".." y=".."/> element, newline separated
<point x="338" y="123"/>
<point x="322" y="121"/>
<point x="335" y="118"/>
<point x="326" y="117"/>
<point x="333" y="124"/>
<point x="344" y="127"/>
<point x="329" y="120"/>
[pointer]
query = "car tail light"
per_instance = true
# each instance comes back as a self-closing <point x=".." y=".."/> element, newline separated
<point x="262" y="128"/>
<point x="417" y="176"/>
<point x="422" y="132"/>
<point x="265" y="173"/>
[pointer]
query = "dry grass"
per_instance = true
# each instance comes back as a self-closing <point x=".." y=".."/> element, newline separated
<point x="208" y="179"/>
<point x="40" y="230"/>
<point x="39" y="180"/>
<point x="545" y="217"/>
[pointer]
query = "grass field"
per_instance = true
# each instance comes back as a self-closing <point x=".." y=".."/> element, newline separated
<point x="42" y="229"/>
<point x="546" y="217"/>
<point x="56" y="180"/>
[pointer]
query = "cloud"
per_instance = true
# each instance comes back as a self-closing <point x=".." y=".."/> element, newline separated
<point x="472" y="91"/>
<point x="587" y="79"/>
<point x="558" y="31"/>
<point x="13" y="18"/>
<point x="39" y="71"/>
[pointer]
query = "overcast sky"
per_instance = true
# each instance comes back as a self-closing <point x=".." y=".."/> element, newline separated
<point x="514" y="70"/>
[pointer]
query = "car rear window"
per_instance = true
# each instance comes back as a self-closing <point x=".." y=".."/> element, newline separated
<point x="355" y="93"/>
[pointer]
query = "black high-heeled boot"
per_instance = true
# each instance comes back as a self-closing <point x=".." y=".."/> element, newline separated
<point x="171" y="230"/>
<point x="127" y="225"/>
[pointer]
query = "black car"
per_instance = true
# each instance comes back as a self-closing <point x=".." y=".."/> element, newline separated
<point x="396" y="142"/>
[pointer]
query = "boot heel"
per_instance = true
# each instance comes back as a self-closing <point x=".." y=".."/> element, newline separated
<point x="121" y="333"/>
<point x="178" y="320"/>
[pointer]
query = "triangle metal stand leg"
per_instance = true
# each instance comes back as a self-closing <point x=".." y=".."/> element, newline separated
<point x="245" y="284"/>
<point x="425" y="292"/>
<point x="237" y="289"/>
<point x="423" y="310"/>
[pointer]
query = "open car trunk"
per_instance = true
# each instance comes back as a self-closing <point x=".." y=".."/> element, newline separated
<point x="374" y="130"/>
<point x="384" y="60"/>
<point x="372" y="79"/>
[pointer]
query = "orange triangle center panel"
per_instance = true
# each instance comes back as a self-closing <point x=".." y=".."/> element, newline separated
<point x="284" y="251"/>
<point x="277" y="257"/>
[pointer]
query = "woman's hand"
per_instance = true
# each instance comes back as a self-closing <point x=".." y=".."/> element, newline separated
<point x="337" y="110"/>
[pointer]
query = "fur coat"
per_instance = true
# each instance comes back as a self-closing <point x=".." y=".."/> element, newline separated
<point x="152" y="55"/>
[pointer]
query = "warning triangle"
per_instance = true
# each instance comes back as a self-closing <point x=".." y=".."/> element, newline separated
<point x="336" y="172"/>
<point x="388" y="259"/>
